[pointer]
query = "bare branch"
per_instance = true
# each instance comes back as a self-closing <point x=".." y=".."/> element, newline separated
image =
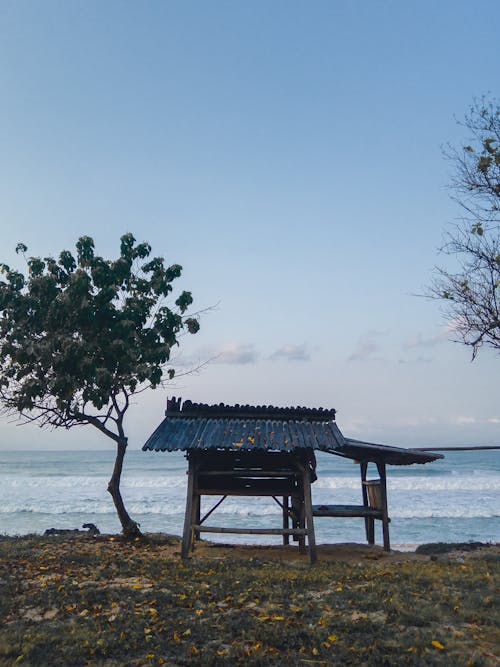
<point x="470" y="295"/>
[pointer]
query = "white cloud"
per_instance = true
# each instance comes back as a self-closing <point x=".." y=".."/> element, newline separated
<point x="236" y="353"/>
<point x="364" y="351"/>
<point x="292" y="353"/>
<point x="228" y="353"/>
<point x="419" y="340"/>
<point x="417" y="360"/>
<point x="463" y="420"/>
<point x="367" y="348"/>
<point x="493" y="420"/>
<point x="354" y="426"/>
<point x="456" y="324"/>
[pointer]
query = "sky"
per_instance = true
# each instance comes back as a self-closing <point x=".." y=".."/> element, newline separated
<point x="289" y="156"/>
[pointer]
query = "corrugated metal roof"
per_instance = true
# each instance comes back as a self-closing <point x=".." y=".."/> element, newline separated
<point x="178" y="433"/>
<point x="234" y="428"/>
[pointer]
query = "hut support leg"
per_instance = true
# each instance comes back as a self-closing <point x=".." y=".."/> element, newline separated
<point x="385" y="512"/>
<point x="369" y="521"/>
<point x="302" y="524"/>
<point x="188" y="536"/>
<point x="197" y="515"/>
<point x="308" y="515"/>
<point x="296" y="513"/>
<point x="286" y="537"/>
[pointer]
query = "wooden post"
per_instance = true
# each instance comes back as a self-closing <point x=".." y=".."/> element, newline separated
<point x="197" y="513"/>
<point x="369" y="521"/>
<point x="302" y="525"/>
<point x="307" y="505"/>
<point x="286" y="519"/>
<point x="385" y="511"/>
<point x="295" y="512"/>
<point x="187" y="536"/>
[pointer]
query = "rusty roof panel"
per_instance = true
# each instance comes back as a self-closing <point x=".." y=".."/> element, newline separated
<point x="200" y="426"/>
<point x="177" y="433"/>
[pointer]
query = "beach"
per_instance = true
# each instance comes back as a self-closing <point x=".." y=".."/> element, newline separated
<point x="71" y="600"/>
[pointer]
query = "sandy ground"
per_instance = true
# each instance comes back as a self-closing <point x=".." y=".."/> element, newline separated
<point x="346" y="552"/>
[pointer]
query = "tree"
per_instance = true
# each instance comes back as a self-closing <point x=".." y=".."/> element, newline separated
<point x="471" y="294"/>
<point x="79" y="337"/>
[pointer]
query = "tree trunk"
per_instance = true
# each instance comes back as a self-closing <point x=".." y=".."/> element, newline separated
<point x="129" y="527"/>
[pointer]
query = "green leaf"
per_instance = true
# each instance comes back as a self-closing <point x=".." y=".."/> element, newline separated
<point x="192" y="324"/>
<point x="85" y="250"/>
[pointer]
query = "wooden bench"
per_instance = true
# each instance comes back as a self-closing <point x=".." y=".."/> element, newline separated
<point x="374" y="507"/>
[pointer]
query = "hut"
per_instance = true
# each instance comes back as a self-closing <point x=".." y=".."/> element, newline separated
<point x="235" y="450"/>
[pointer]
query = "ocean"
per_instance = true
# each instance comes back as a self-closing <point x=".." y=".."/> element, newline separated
<point x="451" y="500"/>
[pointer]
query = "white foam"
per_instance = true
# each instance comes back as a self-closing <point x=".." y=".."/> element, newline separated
<point x="68" y="482"/>
<point x="448" y="501"/>
<point x="463" y="482"/>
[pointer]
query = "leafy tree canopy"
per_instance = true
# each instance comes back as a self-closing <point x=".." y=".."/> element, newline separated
<point x="79" y="335"/>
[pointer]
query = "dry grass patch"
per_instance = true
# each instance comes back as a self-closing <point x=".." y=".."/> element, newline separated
<point x="104" y="601"/>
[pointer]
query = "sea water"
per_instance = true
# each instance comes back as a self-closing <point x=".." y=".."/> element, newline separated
<point x="450" y="500"/>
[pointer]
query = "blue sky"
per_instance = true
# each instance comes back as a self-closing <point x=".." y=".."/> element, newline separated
<point x="288" y="155"/>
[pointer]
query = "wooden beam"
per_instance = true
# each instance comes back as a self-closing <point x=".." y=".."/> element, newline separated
<point x="346" y="511"/>
<point x="251" y="531"/>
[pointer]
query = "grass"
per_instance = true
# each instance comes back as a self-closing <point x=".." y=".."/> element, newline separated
<point x="104" y="601"/>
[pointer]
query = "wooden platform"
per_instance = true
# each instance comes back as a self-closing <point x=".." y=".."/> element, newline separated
<point x="282" y="476"/>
